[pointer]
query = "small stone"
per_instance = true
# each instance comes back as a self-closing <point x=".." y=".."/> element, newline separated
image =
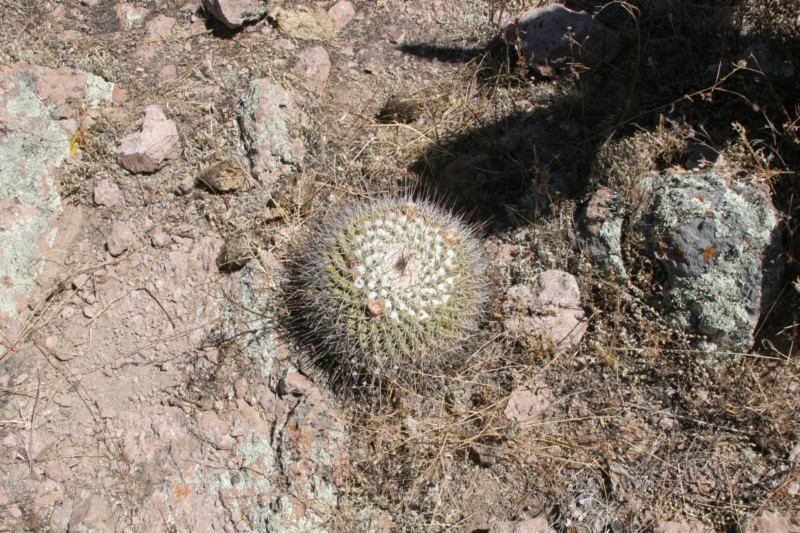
<point x="159" y="238"/>
<point x="341" y="13"/>
<point x="106" y="193"/>
<point x="90" y="311"/>
<point x="153" y="146"/>
<point x="185" y="185"/>
<point x="79" y="281"/>
<point x="396" y="36"/>
<point x="234" y="13"/>
<point x="120" y="239"/>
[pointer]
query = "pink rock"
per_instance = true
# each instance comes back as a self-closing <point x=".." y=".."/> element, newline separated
<point x="341" y="13"/>
<point x="532" y="525"/>
<point x="397" y="36"/>
<point x="120" y="239"/>
<point x="691" y="525"/>
<point x="234" y="13"/>
<point x="551" y="311"/>
<point x="528" y="405"/>
<point x="106" y="193"/>
<point x="769" y="522"/>
<point x="295" y="384"/>
<point x="555" y="35"/>
<point x="314" y="66"/>
<point x="150" y="148"/>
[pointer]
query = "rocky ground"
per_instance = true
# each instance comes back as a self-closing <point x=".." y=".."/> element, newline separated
<point x="631" y="169"/>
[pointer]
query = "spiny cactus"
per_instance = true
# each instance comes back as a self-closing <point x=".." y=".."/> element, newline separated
<point x="385" y="288"/>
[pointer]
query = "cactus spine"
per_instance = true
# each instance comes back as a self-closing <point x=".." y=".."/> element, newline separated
<point x="385" y="288"/>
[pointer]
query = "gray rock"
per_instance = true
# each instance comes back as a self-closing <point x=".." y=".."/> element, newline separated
<point x="268" y="111"/>
<point x="557" y="36"/>
<point x="692" y="525"/>
<point x="720" y="245"/>
<point x="234" y="13"/>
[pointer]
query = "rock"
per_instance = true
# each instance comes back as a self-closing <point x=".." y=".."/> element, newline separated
<point x="532" y="525"/>
<point x="769" y="522"/>
<point x="550" y="311"/>
<point x="267" y="112"/>
<point x="106" y="193"/>
<point x="225" y="174"/>
<point x="601" y="232"/>
<point x="396" y="36"/>
<point x="528" y="405"/>
<point x="216" y="430"/>
<point x="158" y="29"/>
<point x="294" y="384"/>
<point x="92" y="514"/>
<point x="692" y="525"/>
<point x="719" y="243"/>
<point x="40" y="109"/>
<point x="341" y="13"/>
<point x="557" y="36"/>
<point x="313" y="66"/>
<point x="120" y="239"/>
<point x="159" y="238"/>
<point x="129" y="16"/>
<point x="304" y="22"/>
<point x="234" y="13"/>
<point x="153" y="146"/>
<point x="313" y="459"/>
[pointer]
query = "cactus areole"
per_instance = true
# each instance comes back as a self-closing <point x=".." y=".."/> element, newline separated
<point x="385" y="288"/>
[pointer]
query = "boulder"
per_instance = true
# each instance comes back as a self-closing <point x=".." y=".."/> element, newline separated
<point x="557" y="36"/>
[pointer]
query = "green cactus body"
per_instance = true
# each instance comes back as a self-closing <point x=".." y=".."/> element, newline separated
<point x="385" y="288"/>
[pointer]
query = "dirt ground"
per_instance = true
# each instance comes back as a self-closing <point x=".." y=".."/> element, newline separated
<point x="155" y="390"/>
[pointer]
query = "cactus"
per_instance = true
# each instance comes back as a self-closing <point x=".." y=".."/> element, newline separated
<point x="384" y="289"/>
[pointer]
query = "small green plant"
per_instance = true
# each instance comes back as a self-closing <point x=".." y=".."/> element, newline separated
<point x="384" y="289"/>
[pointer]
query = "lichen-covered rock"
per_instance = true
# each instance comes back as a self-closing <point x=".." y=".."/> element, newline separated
<point x="40" y="108"/>
<point x="719" y="243"/>
<point x="269" y="112"/>
<point x="601" y="232"/>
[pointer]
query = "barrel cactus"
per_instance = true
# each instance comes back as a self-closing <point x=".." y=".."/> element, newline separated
<point x="384" y="289"/>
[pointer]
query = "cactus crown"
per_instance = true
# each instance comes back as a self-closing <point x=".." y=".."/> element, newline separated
<point x="386" y="288"/>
